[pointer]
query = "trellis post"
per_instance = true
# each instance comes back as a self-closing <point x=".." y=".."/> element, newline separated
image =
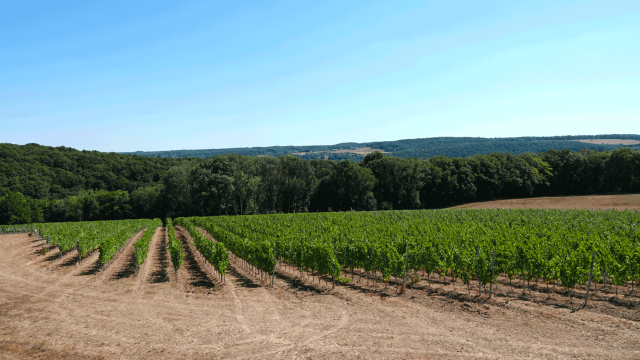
<point x="593" y="259"/>
<point x="275" y="262"/>
<point x="404" y="274"/>
<point x="479" y="280"/>
<point x="493" y="260"/>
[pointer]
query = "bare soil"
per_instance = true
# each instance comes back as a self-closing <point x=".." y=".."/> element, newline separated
<point x="48" y="313"/>
<point x="593" y="202"/>
<point x="610" y="141"/>
<point x="359" y="151"/>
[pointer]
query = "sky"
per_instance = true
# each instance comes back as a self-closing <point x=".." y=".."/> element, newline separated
<point x="167" y="75"/>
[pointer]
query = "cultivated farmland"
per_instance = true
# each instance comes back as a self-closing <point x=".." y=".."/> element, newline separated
<point x="477" y="283"/>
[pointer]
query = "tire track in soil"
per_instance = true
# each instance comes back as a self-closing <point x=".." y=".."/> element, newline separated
<point x="307" y="283"/>
<point x="158" y="261"/>
<point x="239" y="273"/>
<point x="359" y="293"/>
<point x="124" y="266"/>
<point x="290" y="280"/>
<point x="329" y="311"/>
<point x="191" y="274"/>
<point x="230" y="285"/>
<point x="54" y="282"/>
<point x="233" y="277"/>
<point x="257" y="298"/>
<point x="391" y="328"/>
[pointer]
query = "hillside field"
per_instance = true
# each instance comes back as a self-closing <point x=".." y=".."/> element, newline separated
<point x="59" y="306"/>
<point x="593" y="202"/>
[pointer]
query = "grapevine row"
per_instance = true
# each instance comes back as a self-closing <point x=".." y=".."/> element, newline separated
<point x="175" y="247"/>
<point x="214" y="252"/>
<point x="106" y="236"/>
<point x="551" y="245"/>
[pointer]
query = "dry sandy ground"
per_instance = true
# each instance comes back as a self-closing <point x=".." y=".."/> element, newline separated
<point x="595" y="202"/>
<point x="610" y="141"/>
<point x="51" y="308"/>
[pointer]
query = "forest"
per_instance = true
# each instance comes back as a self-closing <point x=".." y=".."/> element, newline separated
<point x="415" y="148"/>
<point x="46" y="184"/>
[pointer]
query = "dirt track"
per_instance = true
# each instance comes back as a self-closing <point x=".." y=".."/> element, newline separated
<point x="593" y="202"/>
<point x="73" y="312"/>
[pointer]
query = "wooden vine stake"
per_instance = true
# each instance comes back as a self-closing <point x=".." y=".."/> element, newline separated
<point x="404" y="274"/>
<point x="333" y="277"/>
<point x="593" y="259"/>
<point x="479" y="280"/>
<point x="493" y="260"/>
<point x="275" y="262"/>
<point x="135" y="259"/>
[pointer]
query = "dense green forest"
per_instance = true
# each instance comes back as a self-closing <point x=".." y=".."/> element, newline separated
<point x="39" y="183"/>
<point x="415" y="148"/>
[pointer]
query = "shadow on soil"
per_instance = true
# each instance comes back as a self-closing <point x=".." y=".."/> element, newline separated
<point x="160" y="275"/>
<point x="296" y="284"/>
<point x="128" y="267"/>
<point x="71" y="261"/>
<point x="294" y="281"/>
<point x="50" y="257"/>
<point x="92" y="269"/>
<point x="621" y="306"/>
<point x="198" y="277"/>
<point x="242" y="280"/>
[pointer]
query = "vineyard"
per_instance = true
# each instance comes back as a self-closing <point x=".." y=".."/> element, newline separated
<point x="421" y="284"/>
<point x="553" y="246"/>
<point x="213" y="252"/>
<point x="107" y="237"/>
<point x="563" y="247"/>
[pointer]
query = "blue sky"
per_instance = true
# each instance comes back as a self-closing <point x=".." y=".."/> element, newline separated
<point x="161" y="75"/>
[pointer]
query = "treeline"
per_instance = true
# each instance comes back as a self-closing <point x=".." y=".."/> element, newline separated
<point x="235" y="184"/>
<point x="416" y="148"/>
<point x="488" y="146"/>
<point x="43" y="172"/>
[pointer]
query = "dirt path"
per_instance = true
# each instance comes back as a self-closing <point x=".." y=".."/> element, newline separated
<point x="145" y="269"/>
<point x="46" y="314"/>
<point x="195" y="274"/>
<point x="157" y="267"/>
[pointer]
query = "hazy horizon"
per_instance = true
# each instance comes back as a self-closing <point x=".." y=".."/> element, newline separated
<point x="329" y="144"/>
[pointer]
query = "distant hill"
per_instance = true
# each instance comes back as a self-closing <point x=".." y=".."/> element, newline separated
<point x="419" y="148"/>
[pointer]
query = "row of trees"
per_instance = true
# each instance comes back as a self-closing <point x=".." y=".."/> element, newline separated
<point x="15" y="208"/>
<point x="235" y="184"/>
